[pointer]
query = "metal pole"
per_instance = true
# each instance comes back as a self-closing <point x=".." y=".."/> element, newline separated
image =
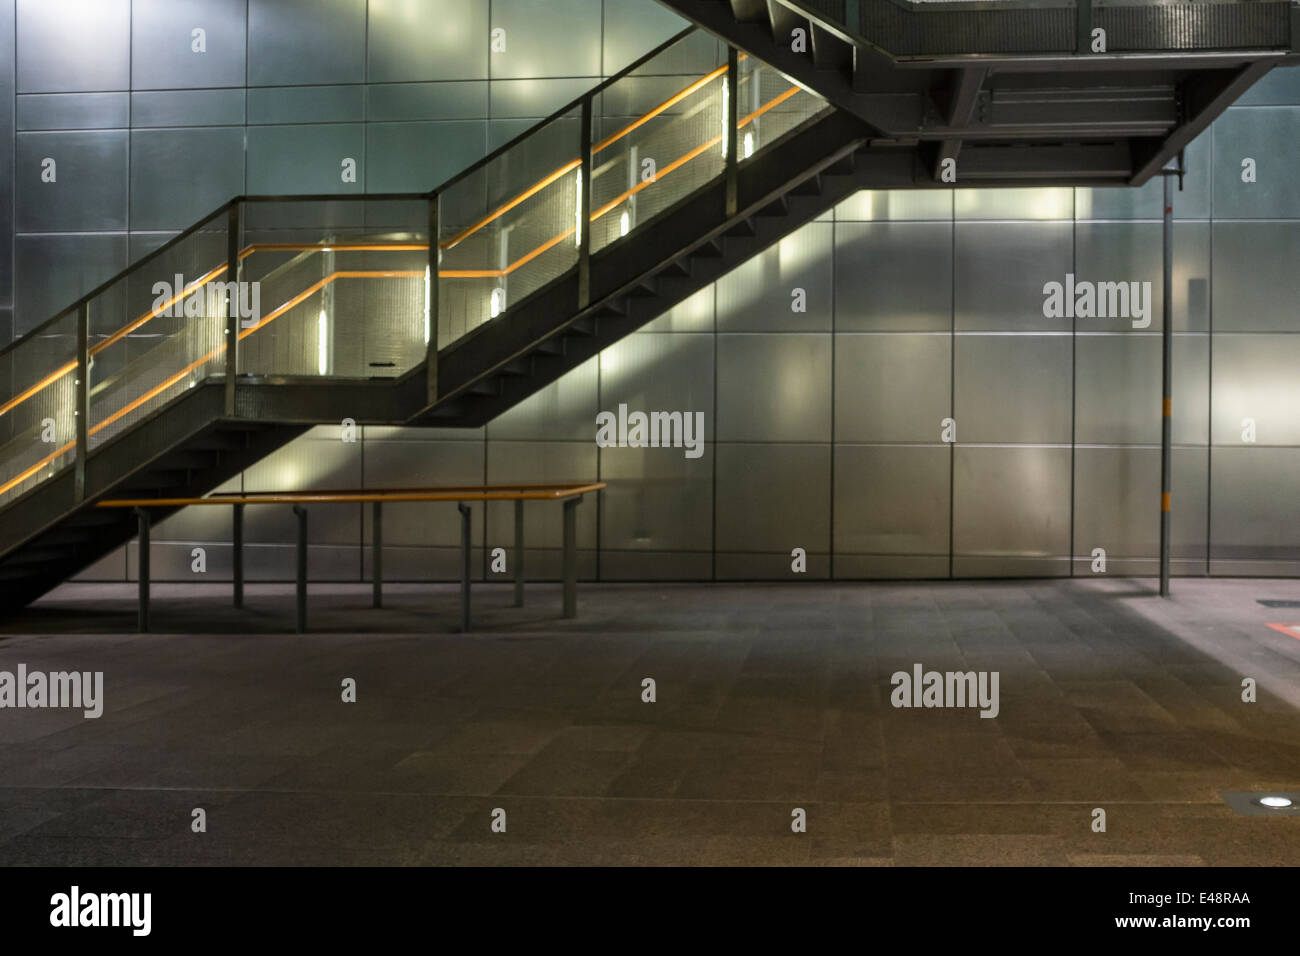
<point x="237" y="532"/>
<point x="1083" y="26"/>
<point x="81" y="413"/>
<point x="732" y="118"/>
<point x="519" y="552"/>
<point x="301" y="622"/>
<point x="571" y="556"/>
<point x="584" y="208"/>
<point x="431" y="351"/>
<point x="377" y="554"/>
<point x="1166" y="430"/>
<point x="232" y="307"/>
<point x="464" y="563"/>
<point x="142" y="516"/>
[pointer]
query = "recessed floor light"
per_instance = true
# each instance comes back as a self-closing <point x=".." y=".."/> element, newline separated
<point x="1275" y="803"/>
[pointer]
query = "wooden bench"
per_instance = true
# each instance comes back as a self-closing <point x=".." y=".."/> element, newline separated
<point x="569" y="494"/>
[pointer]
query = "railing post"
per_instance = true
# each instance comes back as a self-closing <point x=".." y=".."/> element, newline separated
<point x="237" y="534"/>
<point x="232" y="306"/>
<point x="81" y="413"/>
<point x="377" y="554"/>
<point x="1083" y="26"/>
<point x="142" y="516"/>
<point x="465" y="544"/>
<point x="732" y="155"/>
<point x="519" y="552"/>
<point x="584" y="208"/>
<point x="301" y="617"/>
<point x="431" y="304"/>
<point x="570" y="558"/>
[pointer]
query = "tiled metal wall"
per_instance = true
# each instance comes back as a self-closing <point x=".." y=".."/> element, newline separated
<point x="823" y="427"/>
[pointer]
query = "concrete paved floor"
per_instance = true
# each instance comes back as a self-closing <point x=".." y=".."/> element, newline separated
<point x="770" y="697"/>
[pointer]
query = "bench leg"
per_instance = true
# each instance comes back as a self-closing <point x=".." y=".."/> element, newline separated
<point x="377" y="554"/>
<point x="571" y="556"/>
<point x="465" y="539"/>
<point x="301" y="622"/>
<point x="142" y="622"/>
<point x="237" y="533"/>
<point x="519" y="553"/>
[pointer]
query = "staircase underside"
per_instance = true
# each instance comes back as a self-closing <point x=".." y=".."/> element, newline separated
<point x="1006" y="114"/>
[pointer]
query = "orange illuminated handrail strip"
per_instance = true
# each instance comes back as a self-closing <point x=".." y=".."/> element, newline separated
<point x="395" y="247"/>
<point x="464" y="493"/>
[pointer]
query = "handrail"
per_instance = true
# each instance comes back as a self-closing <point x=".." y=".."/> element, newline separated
<point x="348" y="197"/>
<point x="212" y="274"/>
<point x="468" y="493"/>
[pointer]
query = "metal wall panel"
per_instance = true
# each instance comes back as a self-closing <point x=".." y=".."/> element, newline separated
<point x="540" y="462"/>
<point x="407" y="102"/>
<point x="1011" y="503"/>
<point x="288" y="160"/>
<point x="301" y="42"/>
<point x="536" y="99"/>
<point x="1132" y="252"/>
<point x="668" y="371"/>
<point x="1146" y="202"/>
<point x="62" y="111"/>
<point x="72" y="46"/>
<point x="1116" y="502"/>
<point x="773" y="498"/>
<point x="416" y="157"/>
<point x="1255" y="376"/>
<point x="1191" y="407"/>
<point x="774" y="387"/>
<point x="893" y="277"/>
<point x="306" y="104"/>
<point x="181" y="175"/>
<point x="1117" y="382"/>
<point x="557" y="38"/>
<point x="305" y="464"/>
<point x="187" y="108"/>
<point x="1013" y="388"/>
<point x="891" y="387"/>
<point x="634" y="28"/>
<point x="162" y="44"/>
<point x="89" y="192"/>
<point x="886" y="205"/>
<point x="657" y="500"/>
<point x="694" y="314"/>
<point x="1189" y="510"/>
<point x="7" y="125"/>
<point x="1032" y="203"/>
<point x="428" y="40"/>
<point x="52" y="272"/>
<point x="203" y="526"/>
<point x="398" y="464"/>
<point x="565" y="410"/>
<point x="1000" y="270"/>
<point x="1256" y="282"/>
<point x="1253" y="506"/>
<point x="1280" y="86"/>
<point x="891" y="500"/>
<point x="759" y="295"/>
<point x="1267" y="136"/>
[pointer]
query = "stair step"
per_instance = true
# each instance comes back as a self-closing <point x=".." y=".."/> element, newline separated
<point x="812" y="186"/>
<point x="33" y="556"/>
<point x="743" y="227"/>
<point x="711" y="249"/>
<point x="582" y="327"/>
<point x="775" y="209"/>
<point x="488" y="386"/>
<point x="749" y="11"/>
<point x="519" y="368"/>
<point x="552" y="346"/>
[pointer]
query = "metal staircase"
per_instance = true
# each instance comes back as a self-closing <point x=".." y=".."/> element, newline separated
<point x="275" y="314"/>
<point x="1020" y="88"/>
